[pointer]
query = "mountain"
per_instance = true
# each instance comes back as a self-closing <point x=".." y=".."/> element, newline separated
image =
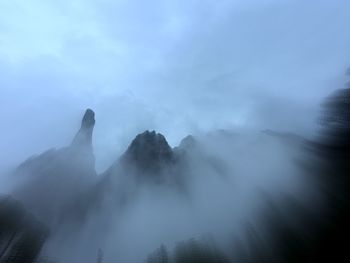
<point x="84" y="136"/>
<point x="148" y="152"/>
<point x="21" y="235"/>
<point x="62" y="189"/>
<point x="149" y="159"/>
<point x="50" y="181"/>
<point x="64" y="181"/>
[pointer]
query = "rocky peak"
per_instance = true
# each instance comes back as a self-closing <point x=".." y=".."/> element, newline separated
<point x="84" y="135"/>
<point x="149" y="151"/>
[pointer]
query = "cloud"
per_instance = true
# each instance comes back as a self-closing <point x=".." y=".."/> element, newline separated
<point x="175" y="66"/>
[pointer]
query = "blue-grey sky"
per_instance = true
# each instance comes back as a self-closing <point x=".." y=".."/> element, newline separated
<point x="178" y="67"/>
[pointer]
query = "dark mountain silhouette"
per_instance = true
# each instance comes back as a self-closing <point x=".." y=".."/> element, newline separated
<point x="149" y="152"/>
<point x="21" y="235"/>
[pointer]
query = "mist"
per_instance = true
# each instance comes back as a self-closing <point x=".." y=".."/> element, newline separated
<point x="210" y="188"/>
<point x="131" y="128"/>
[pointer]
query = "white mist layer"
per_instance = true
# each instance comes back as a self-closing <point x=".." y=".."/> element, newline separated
<point x="218" y="202"/>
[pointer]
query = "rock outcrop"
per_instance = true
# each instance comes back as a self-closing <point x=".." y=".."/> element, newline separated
<point x="21" y="235"/>
<point x="84" y="136"/>
<point x="51" y="180"/>
<point x="149" y="152"/>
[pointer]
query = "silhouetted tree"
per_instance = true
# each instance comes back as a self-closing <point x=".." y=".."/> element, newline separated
<point x="99" y="256"/>
<point x="193" y="251"/>
<point x="159" y="256"/>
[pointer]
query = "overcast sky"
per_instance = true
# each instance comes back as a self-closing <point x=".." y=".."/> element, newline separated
<point x="178" y="67"/>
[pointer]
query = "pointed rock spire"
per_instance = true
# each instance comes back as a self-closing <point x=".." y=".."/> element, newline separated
<point x="84" y="135"/>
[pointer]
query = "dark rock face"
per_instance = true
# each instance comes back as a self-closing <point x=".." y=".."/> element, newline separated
<point x="149" y="152"/>
<point x="21" y="235"/>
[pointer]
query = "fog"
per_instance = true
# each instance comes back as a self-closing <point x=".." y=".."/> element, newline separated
<point x="244" y="78"/>
<point x="210" y="187"/>
<point x="216" y="187"/>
